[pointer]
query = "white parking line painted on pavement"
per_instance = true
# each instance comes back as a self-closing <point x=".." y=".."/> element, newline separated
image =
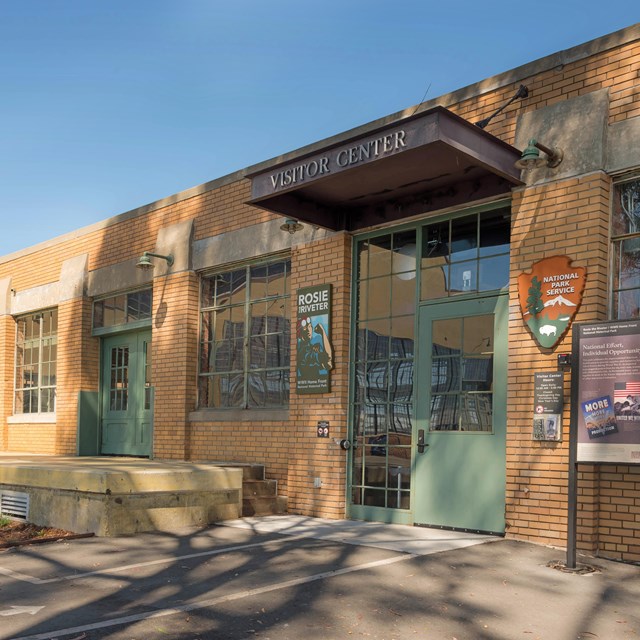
<point x="14" y="610"/>
<point x="203" y="604"/>
<point x="22" y="577"/>
<point x="31" y="579"/>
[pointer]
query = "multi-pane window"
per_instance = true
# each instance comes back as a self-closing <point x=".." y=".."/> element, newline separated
<point x="245" y="337"/>
<point x="462" y="374"/>
<point x="122" y="309"/>
<point x="466" y="255"/>
<point x="36" y="355"/>
<point x="625" y="237"/>
<point x="383" y="385"/>
<point x="119" y="379"/>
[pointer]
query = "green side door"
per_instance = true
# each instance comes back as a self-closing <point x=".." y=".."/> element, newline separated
<point x="127" y="398"/>
<point x="460" y="469"/>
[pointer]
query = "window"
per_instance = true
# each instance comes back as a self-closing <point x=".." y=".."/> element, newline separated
<point x="125" y="308"/>
<point x="383" y="383"/>
<point x="466" y="255"/>
<point x="625" y="237"/>
<point x="462" y="374"/>
<point x="245" y="337"/>
<point x="36" y="355"/>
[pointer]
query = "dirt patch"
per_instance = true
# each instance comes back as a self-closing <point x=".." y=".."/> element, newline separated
<point x="16" y="533"/>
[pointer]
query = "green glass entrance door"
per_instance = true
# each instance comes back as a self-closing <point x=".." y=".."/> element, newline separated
<point x="127" y="400"/>
<point x="460" y="472"/>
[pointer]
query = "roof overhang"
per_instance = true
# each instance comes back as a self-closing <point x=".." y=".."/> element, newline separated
<point x="422" y="163"/>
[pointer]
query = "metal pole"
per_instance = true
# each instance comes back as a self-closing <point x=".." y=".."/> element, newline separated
<point x="572" y="497"/>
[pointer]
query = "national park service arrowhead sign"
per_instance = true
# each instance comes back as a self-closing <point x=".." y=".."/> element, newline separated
<point x="550" y="295"/>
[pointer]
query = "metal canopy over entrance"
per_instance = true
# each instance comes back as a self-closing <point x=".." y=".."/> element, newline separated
<point x="419" y="164"/>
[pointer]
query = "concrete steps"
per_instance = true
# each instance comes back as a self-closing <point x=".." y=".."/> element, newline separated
<point x="259" y="495"/>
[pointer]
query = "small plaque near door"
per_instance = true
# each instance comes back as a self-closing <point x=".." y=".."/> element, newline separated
<point x="548" y="402"/>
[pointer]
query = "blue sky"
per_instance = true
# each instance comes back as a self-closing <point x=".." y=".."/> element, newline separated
<point x="108" y="105"/>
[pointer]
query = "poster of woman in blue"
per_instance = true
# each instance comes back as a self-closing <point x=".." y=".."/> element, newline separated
<point x="314" y="349"/>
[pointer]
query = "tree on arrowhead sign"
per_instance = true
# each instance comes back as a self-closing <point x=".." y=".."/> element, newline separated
<point x="550" y="295"/>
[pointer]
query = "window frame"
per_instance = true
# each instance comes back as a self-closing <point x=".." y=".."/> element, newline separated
<point x="204" y="409"/>
<point x="127" y="325"/>
<point x="616" y="241"/>
<point x="52" y="337"/>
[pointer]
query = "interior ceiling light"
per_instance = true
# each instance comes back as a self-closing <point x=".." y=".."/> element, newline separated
<point x="531" y="159"/>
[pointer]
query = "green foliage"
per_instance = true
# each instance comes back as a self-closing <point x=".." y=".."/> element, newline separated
<point x="534" y="300"/>
<point x="4" y="521"/>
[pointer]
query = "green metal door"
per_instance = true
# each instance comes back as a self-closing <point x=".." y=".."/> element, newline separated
<point x="127" y="399"/>
<point x="460" y="470"/>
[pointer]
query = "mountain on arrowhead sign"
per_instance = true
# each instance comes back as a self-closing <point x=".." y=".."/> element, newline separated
<point x="550" y="295"/>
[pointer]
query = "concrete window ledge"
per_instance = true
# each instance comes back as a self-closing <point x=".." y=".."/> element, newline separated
<point x="32" y="418"/>
<point x="239" y="415"/>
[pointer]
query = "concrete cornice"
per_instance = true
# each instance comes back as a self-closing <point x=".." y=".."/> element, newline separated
<point x="553" y="61"/>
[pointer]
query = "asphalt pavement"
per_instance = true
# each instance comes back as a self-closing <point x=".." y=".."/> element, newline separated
<point x="295" y="578"/>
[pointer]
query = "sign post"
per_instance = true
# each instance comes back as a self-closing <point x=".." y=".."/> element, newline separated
<point x="572" y="490"/>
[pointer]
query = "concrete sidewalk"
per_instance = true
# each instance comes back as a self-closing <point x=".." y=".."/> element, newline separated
<point x="290" y="577"/>
<point x="419" y="541"/>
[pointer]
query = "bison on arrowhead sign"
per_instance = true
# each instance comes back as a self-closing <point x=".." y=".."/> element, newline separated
<point x="550" y="295"/>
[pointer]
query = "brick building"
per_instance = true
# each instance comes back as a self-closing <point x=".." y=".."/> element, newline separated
<point x="421" y="224"/>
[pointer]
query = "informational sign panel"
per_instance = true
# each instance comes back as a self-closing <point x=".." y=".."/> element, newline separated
<point x="548" y="402"/>
<point x="607" y="406"/>
<point x="314" y="357"/>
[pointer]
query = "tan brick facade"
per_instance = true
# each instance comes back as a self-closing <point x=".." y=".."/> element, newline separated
<point x="175" y="352"/>
<point x="7" y="340"/>
<point x="564" y="218"/>
<point x="561" y="212"/>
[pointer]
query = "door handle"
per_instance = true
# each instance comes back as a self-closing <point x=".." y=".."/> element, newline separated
<point x="421" y="443"/>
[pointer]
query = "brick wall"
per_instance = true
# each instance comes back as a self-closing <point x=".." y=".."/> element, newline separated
<point x="7" y="354"/>
<point x="174" y="365"/>
<point x="618" y="525"/>
<point x="564" y="218"/>
<point x="312" y="457"/>
<point x="77" y="369"/>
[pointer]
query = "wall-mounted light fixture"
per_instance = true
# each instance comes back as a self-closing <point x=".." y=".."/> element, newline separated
<point x="531" y="159"/>
<point x="144" y="261"/>
<point x="291" y="225"/>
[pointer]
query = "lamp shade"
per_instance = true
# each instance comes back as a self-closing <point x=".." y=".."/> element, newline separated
<point x="291" y="225"/>
<point x="144" y="262"/>
<point x="530" y="158"/>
